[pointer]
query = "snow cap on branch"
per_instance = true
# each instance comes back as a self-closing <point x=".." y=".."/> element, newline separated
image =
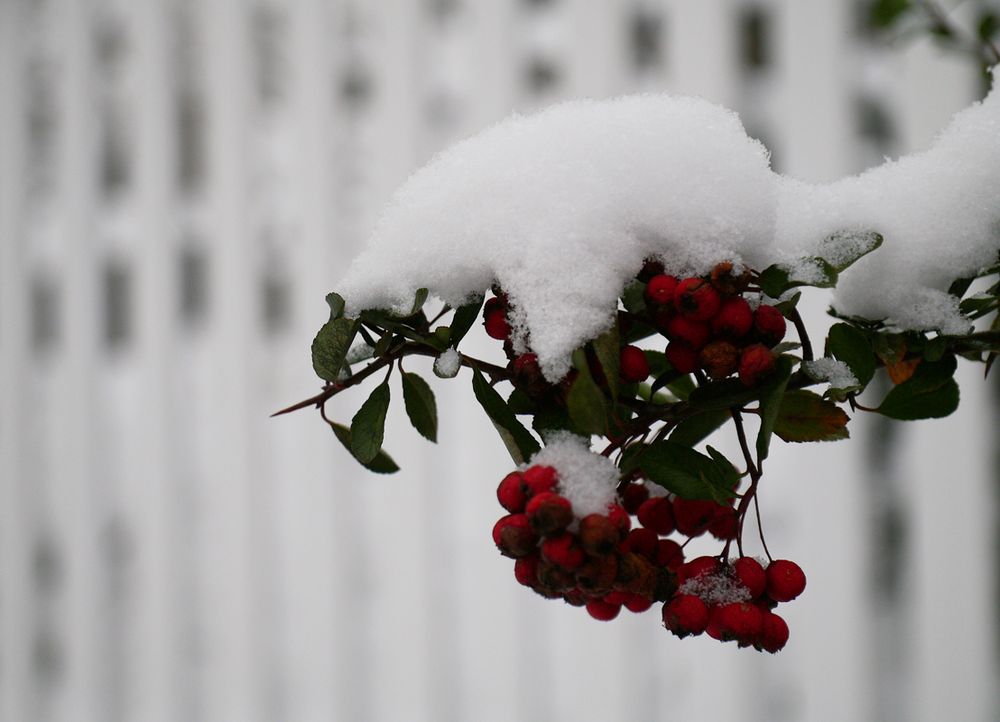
<point x="562" y="207"/>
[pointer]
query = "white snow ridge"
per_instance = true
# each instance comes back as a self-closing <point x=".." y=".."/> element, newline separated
<point x="562" y="207"/>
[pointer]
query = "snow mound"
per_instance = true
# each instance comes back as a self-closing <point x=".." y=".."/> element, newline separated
<point x="587" y="479"/>
<point x="562" y="207"/>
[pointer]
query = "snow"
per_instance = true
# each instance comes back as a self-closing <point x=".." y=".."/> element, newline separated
<point x="448" y="363"/>
<point x="561" y="208"/>
<point x="716" y="589"/>
<point x="587" y="479"/>
<point x="837" y="373"/>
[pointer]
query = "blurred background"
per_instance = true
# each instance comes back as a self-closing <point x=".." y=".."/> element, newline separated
<point x="181" y="182"/>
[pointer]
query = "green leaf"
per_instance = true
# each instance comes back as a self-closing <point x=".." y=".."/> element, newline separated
<point x="551" y="418"/>
<point x="930" y="393"/>
<point x="330" y="347"/>
<point x="771" y="396"/>
<point x="841" y="250"/>
<point x="775" y="280"/>
<point x="382" y="346"/>
<point x="520" y="403"/>
<point x="725" y="394"/>
<point x="634" y="297"/>
<point x="608" y="354"/>
<point x="789" y="304"/>
<point x="806" y="416"/>
<point x="883" y="13"/>
<point x="420" y="405"/>
<point x="587" y="406"/>
<point x="418" y="301"/>
<point x="368" y="425"/>
<point x="465" y="316"/>
<point x="381" y="464"/>
<point x="519" y="440"/>
<point x="935" y="348"/>
<point x="336" y="303"/>
<point x="695" y="429"/>
<point x="683" y="471"/>
<point x="848" y="344"/>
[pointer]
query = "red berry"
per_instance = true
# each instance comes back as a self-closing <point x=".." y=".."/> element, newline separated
<point x="641" y="541"/>
<point x="539" y="479"/>
<point x="660" y="289"/>
<point x="694" y="516"/>
<point x="526" y="570"/>
<point x="597" y="575"/>
<point x="602" y="610"/>
<point x="769" y="324"/>
<point x="785" y="580"/>
<point x="698" y="567"/>
<point x="725" y="524"/>
<point x="773" y="633"/>
<point x="549" y="513"/>
<point x="695" y="298"/>
<point x="495" y="321"/>
<point x="599" y="535"/>
<point x="514" y="536"/>
<point x="719" y="359"/>
<point x="526" y="366"/>
<point x="657" y="514"/>
<point x="637" y="603"/>
<point x="740" y="621"/>
<point x="756" y="362"/>
<point x="734" y="318"/>
<point x="694" y="333"/>
<point x="632" y="497"/>
<point x="682" y="357"/>
<point x="511" y="493"/>
<point x="563" y="550"/>
<point x="620" y="518"/>
<point x="685" y="614"/>
<point x="669" y="554"/>
<point x="633" y="365"/>
<point x="751" y="575"/>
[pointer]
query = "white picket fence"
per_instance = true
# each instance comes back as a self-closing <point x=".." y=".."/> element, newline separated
<point x="181" y="182"/>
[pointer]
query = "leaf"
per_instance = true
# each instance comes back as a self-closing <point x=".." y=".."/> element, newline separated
<point x="930" y="393"/>
<point x="418" y="301"/>
<point x="585" y="402"/>
<point x="770" y="404"/>
<point x="330" y="347"/>
<point x="848" y="344"/>
<point x="634" y="297"/>
<point x="520" y="403"/>
<point x="420" y="405"/>
<point x="465" y="316"/>
<point x="725" y="394"/>
<point x="902" y="370"/>
<point x="381" y="464"/>
<point x="516" y="437"/>
<point x="806" y="416"/>
<point x="609" y="355"/>
<point x="683" y="471"/>
<point x="775" y="280"/>
<point x="841" y="250"/>
<point x="382" y="346"/>
<point x="789" y="304"/>
<point x="336" y="303"/>
<point x="695" y="429"/>
<point x="368" y="425"/>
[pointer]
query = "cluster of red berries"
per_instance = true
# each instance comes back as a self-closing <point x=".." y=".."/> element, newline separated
<point x="604" y="563"/>
<point x="734" y="601"/>
<point x="709" y="326"/>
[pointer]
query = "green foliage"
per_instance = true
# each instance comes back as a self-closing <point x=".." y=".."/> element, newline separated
<point x="368" y="425"/>
<point x="381" y="464"/>
<point x="330" y="347"/>
<point x="807" y="416"/>
<point x="929" y="394"/>
<point x="683" y="471"/>
<point x="420" y="405"/>
<point x="518" y="440"/>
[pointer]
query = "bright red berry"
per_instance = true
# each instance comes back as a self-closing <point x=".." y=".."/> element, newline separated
<point x="694" y="333"/>
<point x="756" y="363"/>
<point x="511" y="493"/>
<point x="514" y="536"/>
<point x="685" y="614"/>
<point x="682" y="357"/>
<point x="637" y="603"/>
<point x="694" y="516"/>
<point x="563" y="550"/>
<point x="740" y="621"/>
<point x="602" y="610"/>
<point x="773" y="633"/>
<point x="785" y="580"/>
<point x="660" y="289"/>
<point x="669" y="554"/>
<point x="699" y="567"/>
<point x="657" y="514"/>
<point x="734" y="319"/>
<point x="719" y="359"/>
<point x="496" y="324"/>
<point x="539" y="478"/>
<point x="725" y="524"/>
<point x="751" y="575"/>
<point x="695" y="298"/>
<point x="769" y="324"/>
<point x="620" y="518"/>
<point x="549" y="513"/>
<point x="633" y="366"/>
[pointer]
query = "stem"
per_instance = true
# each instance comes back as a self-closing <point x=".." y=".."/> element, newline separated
<point x="750" y="494"/>
<point x="800" y="329"/>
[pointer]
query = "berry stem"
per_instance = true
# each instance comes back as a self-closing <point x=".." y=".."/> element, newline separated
<point x="800" y="329"/>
